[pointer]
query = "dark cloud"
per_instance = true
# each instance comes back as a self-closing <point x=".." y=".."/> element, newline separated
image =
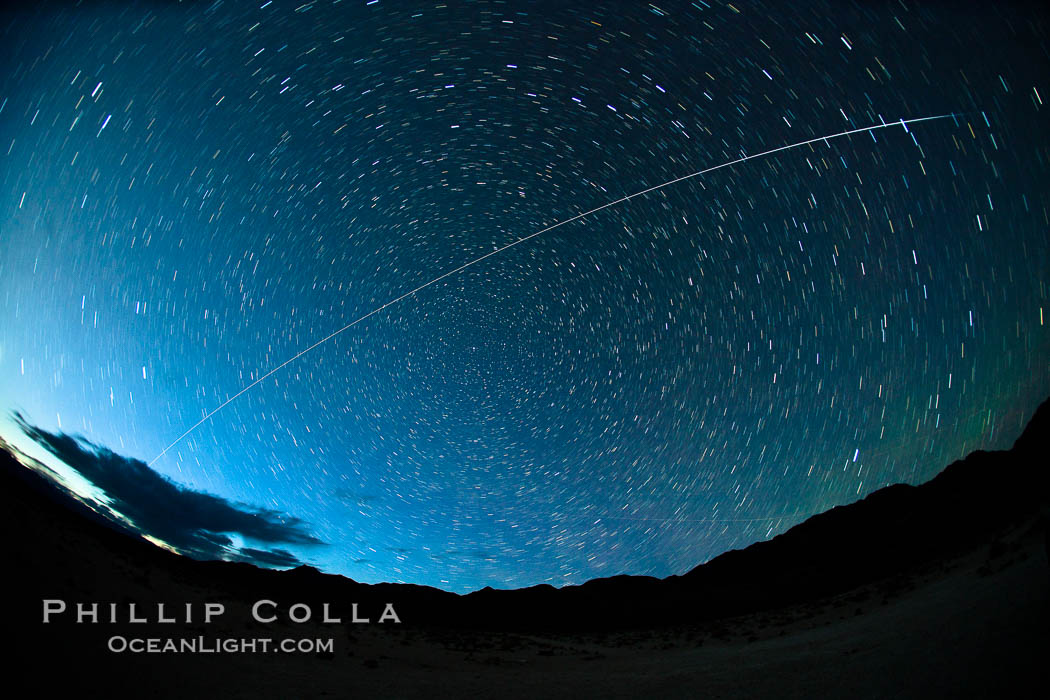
<point x="278" y="558"/>
<point x="194" y="523"/>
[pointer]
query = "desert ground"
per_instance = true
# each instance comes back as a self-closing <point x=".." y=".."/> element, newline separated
<point x="972" y="626"/>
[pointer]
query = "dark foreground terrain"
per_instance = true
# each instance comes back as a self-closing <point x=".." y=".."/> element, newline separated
<point x="940" y="590"/>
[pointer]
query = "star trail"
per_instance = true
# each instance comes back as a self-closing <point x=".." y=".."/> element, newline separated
<point x="512" y="293"/>
<point x="412" y="292"/>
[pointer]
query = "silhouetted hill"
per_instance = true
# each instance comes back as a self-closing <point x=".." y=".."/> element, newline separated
<point x="894" y="528"/>
<point x="60" y="548"/>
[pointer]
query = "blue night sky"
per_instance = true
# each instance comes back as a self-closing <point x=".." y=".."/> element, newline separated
<point x="193" y="193"/>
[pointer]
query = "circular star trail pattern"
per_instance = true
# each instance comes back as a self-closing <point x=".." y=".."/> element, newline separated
<point x="191" y="194"/>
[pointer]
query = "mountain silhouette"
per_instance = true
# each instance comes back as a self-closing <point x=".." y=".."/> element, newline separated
<point x="988" y="506"/>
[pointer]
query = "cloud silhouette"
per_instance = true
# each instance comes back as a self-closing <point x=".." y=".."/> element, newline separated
<point x="194" y="523"/>
<point x="278" y="558"/>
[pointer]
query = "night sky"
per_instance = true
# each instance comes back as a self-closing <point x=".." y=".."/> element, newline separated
<point x="191" y="194"/>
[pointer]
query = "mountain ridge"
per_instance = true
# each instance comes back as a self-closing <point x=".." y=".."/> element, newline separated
<point x="890" y="531"/>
